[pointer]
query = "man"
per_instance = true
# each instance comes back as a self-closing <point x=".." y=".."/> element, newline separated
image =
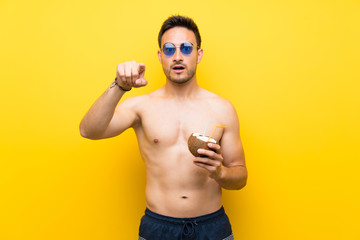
<point x="183" y="192"/>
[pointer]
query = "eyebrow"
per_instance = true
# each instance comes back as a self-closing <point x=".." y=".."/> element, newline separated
<point x="182" y="43"/>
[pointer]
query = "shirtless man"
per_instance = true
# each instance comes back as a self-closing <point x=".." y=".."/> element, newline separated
<point x="183" y="192"/>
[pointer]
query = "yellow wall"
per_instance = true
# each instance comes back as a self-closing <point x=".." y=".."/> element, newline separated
<point x="291" y="68"/>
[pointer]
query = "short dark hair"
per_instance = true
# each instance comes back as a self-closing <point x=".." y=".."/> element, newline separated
<point x="180" y="21"/>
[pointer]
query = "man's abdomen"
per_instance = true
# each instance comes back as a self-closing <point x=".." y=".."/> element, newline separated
<point x="183" y="202"/>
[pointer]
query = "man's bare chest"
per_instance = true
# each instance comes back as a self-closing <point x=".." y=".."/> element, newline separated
<point x="173" y="124"/>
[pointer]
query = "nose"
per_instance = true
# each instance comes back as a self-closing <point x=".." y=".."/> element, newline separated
<point x="178" y="57"/>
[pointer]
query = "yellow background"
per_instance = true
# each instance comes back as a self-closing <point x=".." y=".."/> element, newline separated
<point x="291" y="69"/>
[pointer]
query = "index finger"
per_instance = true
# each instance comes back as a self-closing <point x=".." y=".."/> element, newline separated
<point x="141" y="67"/>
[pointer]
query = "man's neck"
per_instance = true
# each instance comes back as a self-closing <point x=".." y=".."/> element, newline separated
<point x="182" y="90"/>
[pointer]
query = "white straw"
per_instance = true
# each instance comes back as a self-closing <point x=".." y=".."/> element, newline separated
<point x="207" y="123"/>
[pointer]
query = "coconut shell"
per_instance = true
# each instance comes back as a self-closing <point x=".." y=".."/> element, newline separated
<point x="195" y="143"/>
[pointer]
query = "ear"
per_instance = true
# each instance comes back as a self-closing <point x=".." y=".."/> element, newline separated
<point x="159" y="55"/>
<point x="200" y="55"/>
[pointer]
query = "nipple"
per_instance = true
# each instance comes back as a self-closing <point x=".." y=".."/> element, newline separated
<point x="156" y="140"/>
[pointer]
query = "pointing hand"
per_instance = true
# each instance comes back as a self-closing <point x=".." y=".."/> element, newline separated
<point x="131" y="74"/>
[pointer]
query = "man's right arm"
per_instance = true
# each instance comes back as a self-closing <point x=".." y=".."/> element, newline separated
<point x="104" y="119"/>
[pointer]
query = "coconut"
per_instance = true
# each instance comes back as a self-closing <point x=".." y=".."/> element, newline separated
<point x="196" y="141"/>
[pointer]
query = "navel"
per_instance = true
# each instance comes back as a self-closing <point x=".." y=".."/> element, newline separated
<point x="184" y="197"/>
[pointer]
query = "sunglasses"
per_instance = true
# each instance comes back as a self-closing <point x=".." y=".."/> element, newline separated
<point x="185" y="48"/>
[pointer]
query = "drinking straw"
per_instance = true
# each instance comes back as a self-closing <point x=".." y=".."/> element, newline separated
<point x="215" y="129"/>
<point x="207" y="123"/>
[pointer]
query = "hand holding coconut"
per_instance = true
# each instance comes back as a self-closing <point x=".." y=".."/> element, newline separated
<point x="130" y="74"/>
<point x="210" y="159"/>
<point x="207" y="152"/>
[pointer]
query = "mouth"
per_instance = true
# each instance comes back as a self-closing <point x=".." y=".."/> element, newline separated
<point x="178" y="68"/>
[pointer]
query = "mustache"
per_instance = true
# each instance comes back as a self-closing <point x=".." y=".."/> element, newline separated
<point x="178" y="64"/>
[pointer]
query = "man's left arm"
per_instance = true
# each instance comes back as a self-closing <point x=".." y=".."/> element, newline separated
<point x="226" y="164"/>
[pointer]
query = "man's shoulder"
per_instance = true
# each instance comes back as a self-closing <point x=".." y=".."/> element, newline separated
<point x="216" y="99"/>
<point x="221" y="105"/>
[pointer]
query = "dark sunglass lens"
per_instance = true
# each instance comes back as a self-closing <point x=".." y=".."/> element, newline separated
<point x="186" y="48"/>
<point x="169" y="49"/>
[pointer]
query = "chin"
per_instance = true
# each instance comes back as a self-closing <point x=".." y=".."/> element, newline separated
<point x="179" y="80"/>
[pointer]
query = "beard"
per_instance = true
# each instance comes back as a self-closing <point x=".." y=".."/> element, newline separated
<point x="180" y="78"/>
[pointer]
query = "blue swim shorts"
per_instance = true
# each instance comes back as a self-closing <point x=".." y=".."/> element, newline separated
<point x="213" y="226"/>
